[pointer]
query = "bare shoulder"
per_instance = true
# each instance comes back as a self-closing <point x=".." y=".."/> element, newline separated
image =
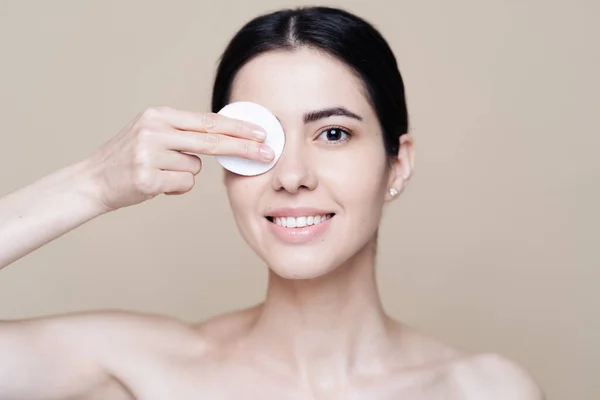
<point x="417" y="350"/>
<point x="481" y="376"/>
<point x="494" y="377"/>
<point x="225" y="328"/>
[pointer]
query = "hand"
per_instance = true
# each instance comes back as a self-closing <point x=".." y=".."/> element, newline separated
<point x="148" y="157"/>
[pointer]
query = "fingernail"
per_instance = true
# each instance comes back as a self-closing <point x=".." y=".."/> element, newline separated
<point x="267" y="153"/>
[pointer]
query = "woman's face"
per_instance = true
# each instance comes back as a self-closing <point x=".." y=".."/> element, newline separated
<point x="321" y="203"/>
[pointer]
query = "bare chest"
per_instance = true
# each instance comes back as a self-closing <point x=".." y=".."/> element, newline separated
<point x="187" y="384"/>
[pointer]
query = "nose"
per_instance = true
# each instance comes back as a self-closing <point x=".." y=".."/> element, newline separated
<point x="293" y="171"/>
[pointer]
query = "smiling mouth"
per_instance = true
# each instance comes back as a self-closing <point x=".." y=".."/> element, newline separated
<point x="300" y="222"/>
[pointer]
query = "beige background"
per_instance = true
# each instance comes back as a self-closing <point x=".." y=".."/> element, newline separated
<point x="493" y="247"/>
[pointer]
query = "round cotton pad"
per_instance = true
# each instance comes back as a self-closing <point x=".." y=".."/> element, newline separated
<point x="258" y="115"/>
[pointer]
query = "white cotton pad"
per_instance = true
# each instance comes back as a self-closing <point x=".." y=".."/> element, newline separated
<point x="258" y="115"/>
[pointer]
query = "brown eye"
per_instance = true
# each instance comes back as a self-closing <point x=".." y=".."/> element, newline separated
<point x="334" y="134"/>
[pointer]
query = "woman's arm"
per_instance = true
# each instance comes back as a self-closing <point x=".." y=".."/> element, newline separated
<point x="147" y="158"/>
<point x="79" y="355"/>
<point x="45" y="210"/>
<point x="96" y="355"/>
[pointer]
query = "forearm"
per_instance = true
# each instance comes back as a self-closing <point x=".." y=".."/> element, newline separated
<point x="45" y="210"/>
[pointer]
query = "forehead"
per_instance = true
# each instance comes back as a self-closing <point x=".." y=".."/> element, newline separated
<point x="293" y="82"/>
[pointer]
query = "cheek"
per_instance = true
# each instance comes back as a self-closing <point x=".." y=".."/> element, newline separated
<point x="357" y="179"/>
<point x="246" y="198"/>
<point x="239" y="192"/>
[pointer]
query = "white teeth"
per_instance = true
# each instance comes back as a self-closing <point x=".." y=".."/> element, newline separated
<point x="291" y="222"/>
<point x="301" y="222"/>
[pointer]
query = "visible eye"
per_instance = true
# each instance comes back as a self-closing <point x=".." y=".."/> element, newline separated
<point x="335" y="135"/>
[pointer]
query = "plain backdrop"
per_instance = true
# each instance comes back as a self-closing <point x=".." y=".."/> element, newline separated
<point x="493" y="246"/>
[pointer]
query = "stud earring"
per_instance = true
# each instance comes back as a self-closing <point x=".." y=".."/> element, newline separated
<point x="393" y="192"/>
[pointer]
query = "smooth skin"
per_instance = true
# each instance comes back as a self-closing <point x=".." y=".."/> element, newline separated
<point x="321" y="333"/>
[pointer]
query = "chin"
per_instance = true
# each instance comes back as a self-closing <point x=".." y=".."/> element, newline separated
<point x="299" y="266"/>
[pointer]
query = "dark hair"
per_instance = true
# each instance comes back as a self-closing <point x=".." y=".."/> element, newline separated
<point x="336" y="32"/>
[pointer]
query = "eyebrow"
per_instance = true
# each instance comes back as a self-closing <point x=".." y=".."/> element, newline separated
<point x="316" y="115"/>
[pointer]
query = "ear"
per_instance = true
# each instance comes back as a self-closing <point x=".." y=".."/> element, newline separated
<point x="401" y="167"/>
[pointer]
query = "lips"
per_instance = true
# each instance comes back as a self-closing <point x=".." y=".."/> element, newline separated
<point x="299" y="225"/>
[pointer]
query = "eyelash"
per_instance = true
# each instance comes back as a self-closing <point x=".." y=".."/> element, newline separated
<point x="339" y="128"/>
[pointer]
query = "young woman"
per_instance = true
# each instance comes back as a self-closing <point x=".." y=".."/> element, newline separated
<point x="321" y="332"/>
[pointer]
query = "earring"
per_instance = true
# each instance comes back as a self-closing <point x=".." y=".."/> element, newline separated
<point x="393" y="192"/>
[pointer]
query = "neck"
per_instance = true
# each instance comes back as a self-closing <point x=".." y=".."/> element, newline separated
<point x="328" y="326"/>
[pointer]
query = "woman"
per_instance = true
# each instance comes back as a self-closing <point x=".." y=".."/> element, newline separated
<point x="333" y="82"/>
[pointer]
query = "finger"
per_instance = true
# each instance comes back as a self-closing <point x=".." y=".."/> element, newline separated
<point x="213" y="123"/>
<point x="176" y="161"/>
<point x="217" y="145"/>
<point x="175" y="181"/>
